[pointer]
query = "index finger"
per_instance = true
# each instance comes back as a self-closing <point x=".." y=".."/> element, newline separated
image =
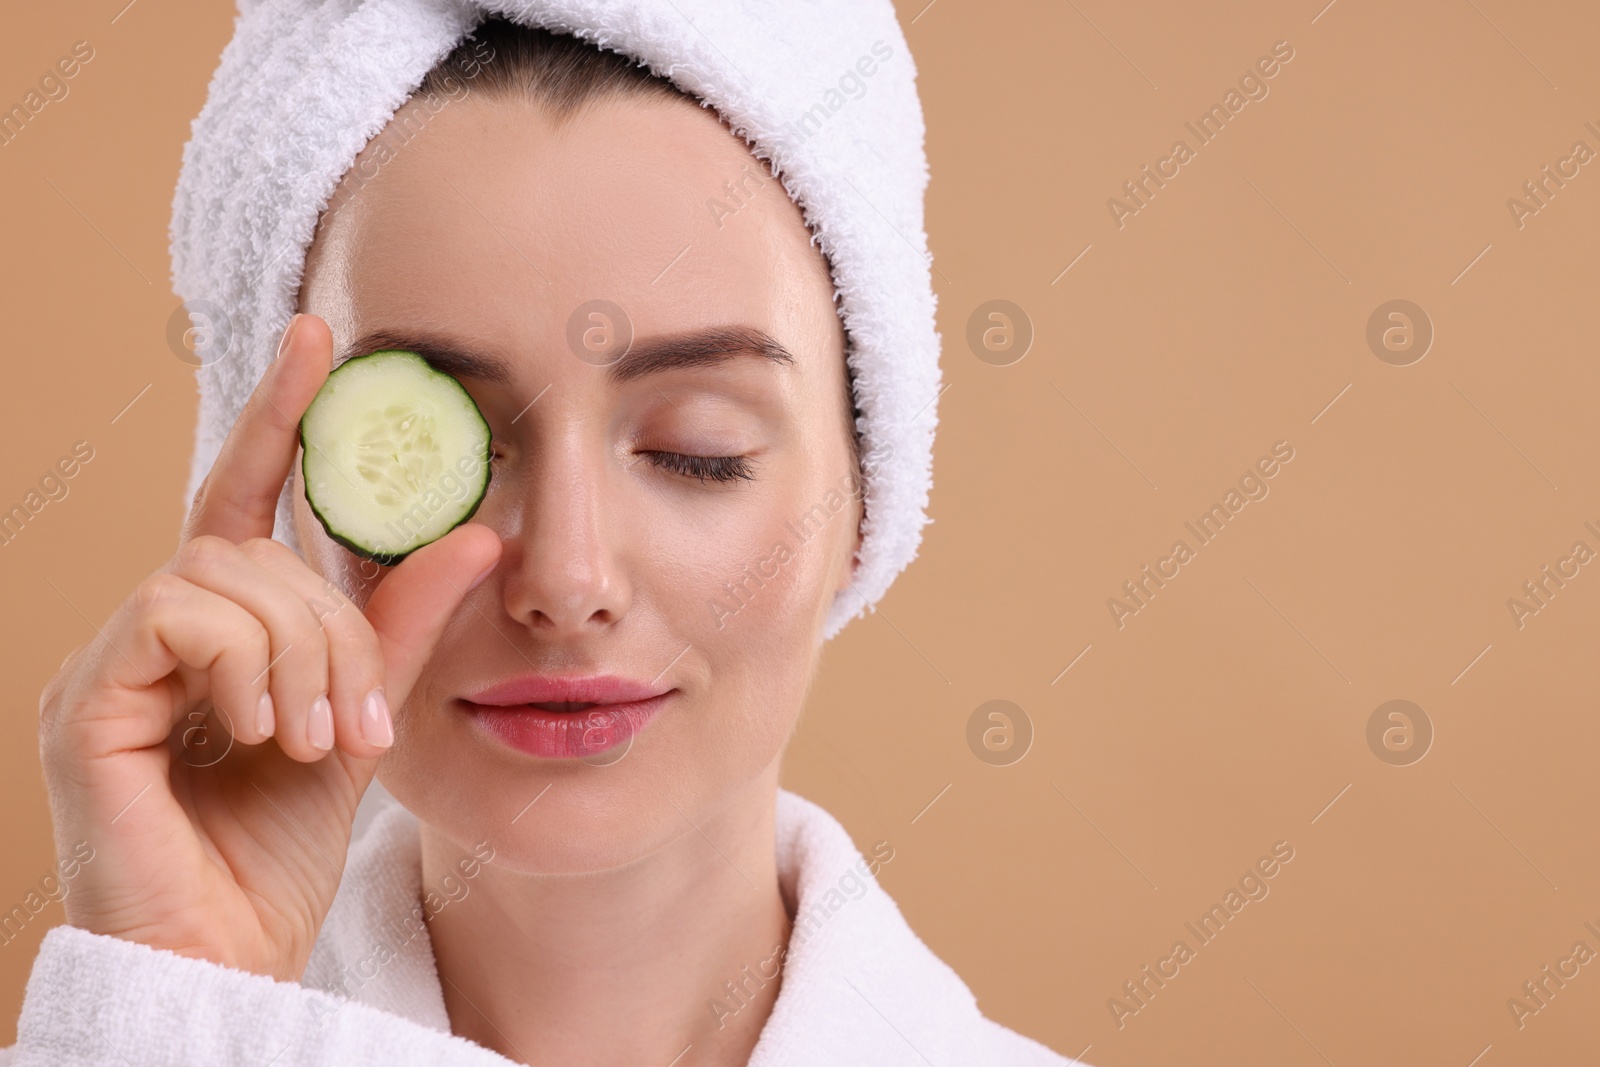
<point x="239" y="498"/>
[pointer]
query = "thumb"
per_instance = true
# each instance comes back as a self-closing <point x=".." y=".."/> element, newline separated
<point x="414" y="602"/>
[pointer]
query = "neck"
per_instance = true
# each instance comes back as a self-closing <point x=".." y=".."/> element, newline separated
<point x="626" y="966"/>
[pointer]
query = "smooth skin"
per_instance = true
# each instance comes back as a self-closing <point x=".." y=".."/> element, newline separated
<point x="623" y="896"/>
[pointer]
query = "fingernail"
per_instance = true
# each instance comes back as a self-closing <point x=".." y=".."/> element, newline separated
<point x="479" y="579"/>
<point x="288" y="332"/>
<point x="319" y="724"/>
<point x="376" y="725"/>
<point x="265" y="719"/>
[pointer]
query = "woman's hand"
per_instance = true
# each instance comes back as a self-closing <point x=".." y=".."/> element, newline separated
<point x="237" y="861"/>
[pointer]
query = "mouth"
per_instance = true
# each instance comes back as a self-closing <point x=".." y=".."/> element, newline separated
<point x="563" y="705"/>
<point x="566" y="718"/>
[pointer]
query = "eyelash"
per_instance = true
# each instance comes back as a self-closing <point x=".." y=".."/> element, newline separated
<point x="712" y="468"/>
<point x="705" y="468"/>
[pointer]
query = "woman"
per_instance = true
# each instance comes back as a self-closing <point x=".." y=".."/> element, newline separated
<point x="580" y="698"/>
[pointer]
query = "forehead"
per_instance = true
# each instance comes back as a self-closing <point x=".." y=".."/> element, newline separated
<point x="486" y="207"/>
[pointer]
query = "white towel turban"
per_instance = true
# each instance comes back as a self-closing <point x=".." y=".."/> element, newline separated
<point x="305" y="84"/>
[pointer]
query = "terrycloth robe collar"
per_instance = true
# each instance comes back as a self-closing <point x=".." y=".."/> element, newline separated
<point x="859" y="989"/>
<point x="858" y="986"/>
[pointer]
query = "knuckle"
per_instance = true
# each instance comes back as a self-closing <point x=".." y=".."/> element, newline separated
<point x="158" y="589"/>
<point x="297" y="653"/>
<point x="202" y="552"/>
<point x="262" y="549"/>
<point x="313" y="646"/>
<point x="357" y="657"/>
<point x="336" y="615"/>
<point x="248" y="635"/>
<point x="334" y="610"/>
<point x="307" y="626"/>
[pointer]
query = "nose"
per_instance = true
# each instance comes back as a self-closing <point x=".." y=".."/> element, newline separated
<point x="562" y="569"/>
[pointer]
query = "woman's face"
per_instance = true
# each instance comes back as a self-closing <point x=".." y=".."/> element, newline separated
<point x="491" y="232"/>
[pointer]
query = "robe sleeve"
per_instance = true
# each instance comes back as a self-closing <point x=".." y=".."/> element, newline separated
<point x="95" y="999"/>
<point x="1003" y="1046"/>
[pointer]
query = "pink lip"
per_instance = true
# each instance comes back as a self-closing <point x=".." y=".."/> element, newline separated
<point x="587" y="689"/>
<point x="620" y="709"/>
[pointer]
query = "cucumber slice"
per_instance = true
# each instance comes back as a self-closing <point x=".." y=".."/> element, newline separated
<point x="396" y="455"/>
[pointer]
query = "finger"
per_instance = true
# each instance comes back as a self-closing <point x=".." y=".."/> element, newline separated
<point x="239" y="497"/>
<point x="414" y="602"/>
<point x="300" y="709"/>
<point x="363" y="726"/>
<point x="166" y="624"/>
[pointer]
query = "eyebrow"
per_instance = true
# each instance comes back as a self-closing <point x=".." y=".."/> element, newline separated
<point x="692" y="348"/>
<point x="443" y="355"/>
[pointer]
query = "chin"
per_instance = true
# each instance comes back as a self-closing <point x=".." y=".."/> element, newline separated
<point x="575" y="815"/>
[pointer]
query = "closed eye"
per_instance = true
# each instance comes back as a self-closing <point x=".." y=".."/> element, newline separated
<point x="704" y="468"/>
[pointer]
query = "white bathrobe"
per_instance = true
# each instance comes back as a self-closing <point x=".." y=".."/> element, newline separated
<point x="858" y="986"/>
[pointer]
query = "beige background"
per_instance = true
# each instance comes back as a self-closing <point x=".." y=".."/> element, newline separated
<point x="1226" y="315"/>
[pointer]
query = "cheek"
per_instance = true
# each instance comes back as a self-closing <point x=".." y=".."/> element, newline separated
<point x="748" y="602"/>
<point x="758" y="583"/>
